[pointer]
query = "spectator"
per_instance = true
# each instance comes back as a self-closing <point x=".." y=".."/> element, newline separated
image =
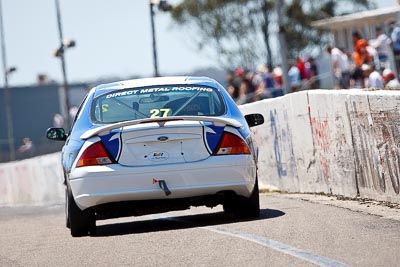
<point x="72" y="112"/>
<point x="27" y="148"/>
<point x="302" y="68"/>
<point x="391" y="82"/>
<point x="277" y="74"/>
<point x="373" y="54"/>
<point x="232" y="86"/>
<point x="340" y="67"/>
<point x="381" y="44"/>
<point x="312" y="73"/>
<point x="294" y="77"/>
<point x="360" y="57"/>
<point x="58" y="120"/>
<point x="250" y="77"/>
<point x="239" y="76"/>
<point x="245" y="93"/>
<point x="232" y="91"/>
<point x="268" y="80"/>
<point x="267" y="84"/>
<point x="395" y="36"/>
<point x="258" y="76"/>
<point x="374" y="77"/>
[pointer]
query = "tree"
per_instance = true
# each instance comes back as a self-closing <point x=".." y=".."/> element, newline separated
<point x="231" y="27"/>
<point x="240" y="30"/>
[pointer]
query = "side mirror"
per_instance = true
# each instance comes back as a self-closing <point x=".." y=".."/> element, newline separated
<point x="254" y="119"/>
<point x="56" y="134"/>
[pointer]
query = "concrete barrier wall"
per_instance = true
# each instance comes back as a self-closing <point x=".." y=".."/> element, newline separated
<point x="335" y="142"/>
<point x="375" y="126"/>
<point x="36" y="181"/>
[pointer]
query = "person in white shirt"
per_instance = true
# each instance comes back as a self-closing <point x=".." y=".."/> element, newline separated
<point x="294" y="77"/>
<point x="382" y="45"/>
<point x="391" y="82"/>
<point x="374" y="77"/>
<point x="340" y="67"/>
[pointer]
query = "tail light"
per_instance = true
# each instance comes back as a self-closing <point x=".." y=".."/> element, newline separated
<point x="95" y="154"/>
<point x="232" y="144"/>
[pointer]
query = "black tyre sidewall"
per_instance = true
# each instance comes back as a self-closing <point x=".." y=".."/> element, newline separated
<point x="82" y="223"/>
<point x="67" y="223"/>
<point x="248" y="207"/>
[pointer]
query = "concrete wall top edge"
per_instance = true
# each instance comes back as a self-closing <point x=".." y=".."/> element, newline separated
<point x="35" y="159"/>
<point x="352" y="92"/>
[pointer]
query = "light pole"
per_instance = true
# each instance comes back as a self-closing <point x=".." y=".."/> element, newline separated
<point x="163" y="6"/>
<point x="267" y="6"/>
<point x="60" y="52"/>
<point x="282" y="45"/>
<point x="7" y="93"/>
<point x="153" y="34"/>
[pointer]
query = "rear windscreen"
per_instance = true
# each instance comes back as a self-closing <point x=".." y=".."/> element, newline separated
<point x="156" y="102"/>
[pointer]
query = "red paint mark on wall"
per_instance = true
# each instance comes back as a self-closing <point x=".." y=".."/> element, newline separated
<point x="322" y="142"/>
<point x="320" y="133"/>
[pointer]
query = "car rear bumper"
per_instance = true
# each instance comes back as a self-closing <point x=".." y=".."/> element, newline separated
<point x="95" y="185"/>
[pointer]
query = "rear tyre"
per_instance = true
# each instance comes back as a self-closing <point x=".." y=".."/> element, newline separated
<point x="251" y="206"/>
<point x="242" y="207"/>
<point x="81" y="222"/>
<point x="66" y="210"/>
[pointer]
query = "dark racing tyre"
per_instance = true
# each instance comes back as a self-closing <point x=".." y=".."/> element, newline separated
<point x="66" y="210"/>
<point x="242" y="207"/>
<point x="250" y="207"/>
<point x="81" y="222"/>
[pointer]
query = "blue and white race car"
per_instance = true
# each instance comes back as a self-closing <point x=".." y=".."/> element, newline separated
<point x="154" y="145"/>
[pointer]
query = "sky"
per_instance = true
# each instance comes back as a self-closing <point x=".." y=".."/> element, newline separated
<point x="113" y="40"/>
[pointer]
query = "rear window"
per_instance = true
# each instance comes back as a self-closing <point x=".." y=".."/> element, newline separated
<point x="156" y="102"/>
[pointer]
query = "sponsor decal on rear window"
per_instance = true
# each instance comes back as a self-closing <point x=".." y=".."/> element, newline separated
<point x="156" y="90"/>
<point x="157" y="102"/>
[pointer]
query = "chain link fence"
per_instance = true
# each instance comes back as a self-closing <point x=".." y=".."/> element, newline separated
<point x="33" y="110"/>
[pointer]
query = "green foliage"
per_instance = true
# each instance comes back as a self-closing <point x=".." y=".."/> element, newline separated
<point x="239" y="30"/>
<point x="231" y="27"/>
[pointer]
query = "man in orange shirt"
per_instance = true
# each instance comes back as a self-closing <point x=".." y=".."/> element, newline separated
<point x="360" y="56"/>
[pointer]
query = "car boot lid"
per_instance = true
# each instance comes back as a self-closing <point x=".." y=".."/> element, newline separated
<point x="106" y="129"/>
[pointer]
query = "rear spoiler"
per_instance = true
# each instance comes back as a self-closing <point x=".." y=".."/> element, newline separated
<point x="106" y="129"/>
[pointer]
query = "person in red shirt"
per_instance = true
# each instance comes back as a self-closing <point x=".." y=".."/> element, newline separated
<point x="302" y="68"/>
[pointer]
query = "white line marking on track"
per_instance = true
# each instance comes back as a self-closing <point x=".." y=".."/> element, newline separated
<point x="269" y="243"/>
<point x="278" y="246"/>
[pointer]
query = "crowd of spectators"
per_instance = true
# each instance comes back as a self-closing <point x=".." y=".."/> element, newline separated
<point x="246" y="86"/>
<point x="368" y="66"/>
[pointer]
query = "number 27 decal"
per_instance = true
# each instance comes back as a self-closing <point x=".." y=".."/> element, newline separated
<point x="157" y="113"/>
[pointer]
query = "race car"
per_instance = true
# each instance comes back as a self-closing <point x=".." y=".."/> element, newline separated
<point x="154" y="145"/>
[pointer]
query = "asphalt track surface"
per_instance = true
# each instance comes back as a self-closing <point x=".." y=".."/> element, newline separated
<point x="290" y="232"/>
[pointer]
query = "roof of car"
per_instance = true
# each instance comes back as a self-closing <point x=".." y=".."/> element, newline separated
<point x="173" y="80"/>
